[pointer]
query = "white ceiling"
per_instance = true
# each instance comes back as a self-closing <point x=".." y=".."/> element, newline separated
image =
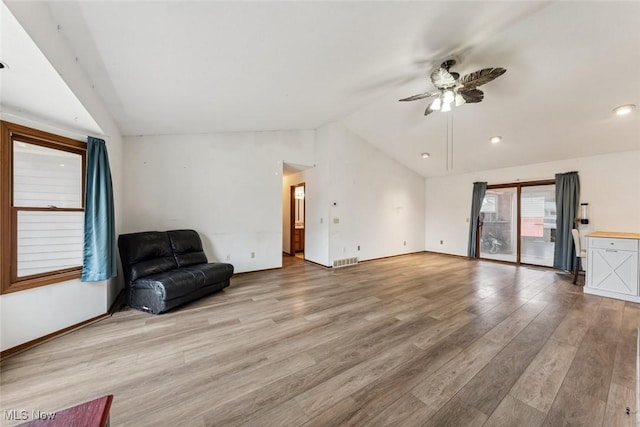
<point x="193" y="67"/>
<point x="31" y="87"/>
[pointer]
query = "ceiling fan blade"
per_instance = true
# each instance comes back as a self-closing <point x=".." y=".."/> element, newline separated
<point x="471" y="96"/>
<point x="442" y="79"/>
<point x="480" y="77"/>
<point x="421" y="96"/>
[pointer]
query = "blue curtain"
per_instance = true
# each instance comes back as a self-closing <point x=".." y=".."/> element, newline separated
<point x="567" y="200"/>
<point x="99" y="252"/>
<point x="479" y="189"/>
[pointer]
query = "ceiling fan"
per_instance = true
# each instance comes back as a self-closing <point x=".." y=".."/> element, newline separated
<point x="453" y="89"/>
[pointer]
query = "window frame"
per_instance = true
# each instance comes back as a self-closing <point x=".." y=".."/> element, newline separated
<point x="9" y="213"/>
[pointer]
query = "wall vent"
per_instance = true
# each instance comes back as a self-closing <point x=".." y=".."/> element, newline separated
<point x="345" y="262"/>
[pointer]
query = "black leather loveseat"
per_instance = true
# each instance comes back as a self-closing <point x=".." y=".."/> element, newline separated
<point x="164" y="269"/>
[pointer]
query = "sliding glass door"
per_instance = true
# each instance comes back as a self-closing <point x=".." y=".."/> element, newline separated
<point x="537" y="224"/>
<point x="498" y="231"/>
<point x="518" y="223"/>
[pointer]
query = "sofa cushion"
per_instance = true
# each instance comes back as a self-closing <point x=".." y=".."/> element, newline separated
<point x="146" y="253"/>
<point x="170" y="284"/>
<point x="187" y="247"/>
<point x="212" y="273"/>
<point x="182" y="281"/>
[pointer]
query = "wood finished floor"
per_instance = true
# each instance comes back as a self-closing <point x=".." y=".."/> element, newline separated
<point x="416" y="340"/>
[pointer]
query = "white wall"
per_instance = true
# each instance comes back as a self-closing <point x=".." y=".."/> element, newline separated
<point x="28" y="315"/>
<point x="379" y="203"/>
<point x="610" y="183"/>
<point x="33" y="313"/>
<point x="227" y="186"/>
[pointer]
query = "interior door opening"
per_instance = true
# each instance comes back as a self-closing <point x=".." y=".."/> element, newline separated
<point x="297" y="220"/>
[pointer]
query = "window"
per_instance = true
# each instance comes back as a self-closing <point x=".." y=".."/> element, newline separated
<point x="489" y="203"/>
<point x="42" y="208"/>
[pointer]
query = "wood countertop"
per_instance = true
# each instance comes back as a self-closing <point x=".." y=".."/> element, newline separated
<point x="614" y="235"/>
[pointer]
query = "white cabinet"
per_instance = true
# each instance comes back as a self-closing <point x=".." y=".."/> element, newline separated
<point x="612" y="267"/>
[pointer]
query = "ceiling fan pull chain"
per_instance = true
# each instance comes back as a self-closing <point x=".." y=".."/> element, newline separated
<point x="447" y="126"/>
<point x="452" y="140"/>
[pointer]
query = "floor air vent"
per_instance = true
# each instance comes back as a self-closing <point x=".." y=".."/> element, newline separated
<point x="345" y="262"/>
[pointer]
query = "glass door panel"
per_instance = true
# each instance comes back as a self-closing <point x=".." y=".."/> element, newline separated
<point x="537" y="224"/>
<point x="498" y="232"/>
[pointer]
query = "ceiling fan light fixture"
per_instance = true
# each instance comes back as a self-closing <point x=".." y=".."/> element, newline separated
<point x="448" y="97"/>
<point x="425" y="155"/>
<point x="623" y="110"/>
<point x="495" y="139"/>
<point x="455" y="89"/>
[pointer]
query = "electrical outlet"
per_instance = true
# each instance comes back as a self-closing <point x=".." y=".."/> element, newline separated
<point x="228" y="257"/>
<point x="441" y="242"/>
<point x="358" y="247"/>
<point x="253" y="254"/>
<point x="405" y="243"/>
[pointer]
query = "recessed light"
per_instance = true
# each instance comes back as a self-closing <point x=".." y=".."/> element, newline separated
<point x="425" y="155"/>
<point x="61" y="164"/>
<point x="624" y="109"/>
<point x="495" y="139"/>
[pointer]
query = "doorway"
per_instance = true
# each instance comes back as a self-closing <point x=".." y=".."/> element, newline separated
<point x="297" y="222"/>
<point x="518" y="223"/>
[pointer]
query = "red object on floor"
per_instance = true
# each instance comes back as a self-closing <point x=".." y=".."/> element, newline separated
<point x="89" y="414"/>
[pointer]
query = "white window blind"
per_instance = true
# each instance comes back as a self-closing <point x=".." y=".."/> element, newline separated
<point x="45" y="177"/>
<point x="532" y="207"/>
<point x="49" y="241"/>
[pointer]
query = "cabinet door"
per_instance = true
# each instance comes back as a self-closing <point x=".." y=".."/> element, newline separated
<point x="613" y="270"/>
<point x="297" y="245"/>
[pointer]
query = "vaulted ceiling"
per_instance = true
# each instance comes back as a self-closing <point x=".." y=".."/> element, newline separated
<point x="31" y="86"/>
<point x="194" y="67"/>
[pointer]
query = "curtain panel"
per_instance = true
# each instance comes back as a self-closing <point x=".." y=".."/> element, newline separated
<point x="99" y="251"/>
<point x="567" y="201"/>
<point x="479" y="190"/>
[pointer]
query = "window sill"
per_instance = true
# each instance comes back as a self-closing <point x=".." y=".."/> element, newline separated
<point x="36" y="282"/>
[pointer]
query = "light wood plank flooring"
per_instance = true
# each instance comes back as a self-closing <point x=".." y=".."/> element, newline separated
<point x="414" y="340"/>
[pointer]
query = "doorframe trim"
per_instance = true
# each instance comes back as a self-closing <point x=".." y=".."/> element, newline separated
<point x="292" y="215"/>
